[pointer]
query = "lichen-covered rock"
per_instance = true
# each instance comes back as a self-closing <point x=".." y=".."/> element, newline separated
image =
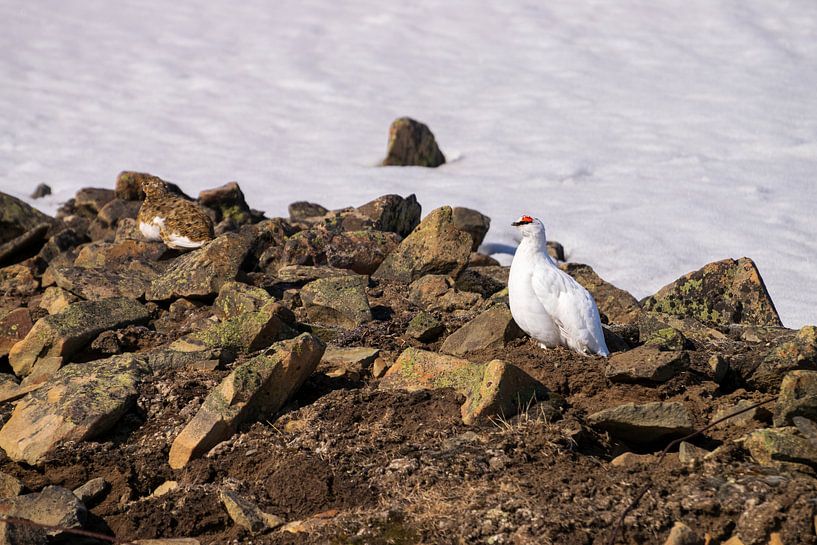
<point x="646" y="364"/>
<point x="492" y="329"/>
<point x="472" y="222"/>
<point x="119" y="254"/>
<point x="645" y="423"/>
<point x="666" y="338"/>
<point x="14" y="326"/>
<point x="765" y="367"/>
<point x="247" y="515"/>
<point x="89" y="201"/>
<point x="93" y="284"/>
<point x="783" y="448"/>
<point x="485" y="281"/>
<point x="236" y="298"/>
<point x="55" y="300"/>
<point x="797" y="397"/>
<point x="80" y="401"/>
<point x="721" y="293"/>
<point x="303" y="210"/>
<point x="129" y="186"/>
<point x="303" y="274"/>
<point x="391" y="213"/>
<point x="258" y="387"/>
<point x="360" y="251"/>
<point x="339" y="301"/>
<point x="435" y="292"/>
<point x="425" y="327"/>
<point x="16" y="249"/>
<point x="53" y="506"/>
<point x="228" y="202"/>
<point x="201" y="272"/>
<point x="18" y="280"/>
<point x="618" y="305"/>
<point x="436" y="246"/>
<point x="491" y="389"/>
<point x="17" y="218"/>
<point x="61" y="335"/>
<point x="412" y="143"/>
<point x="245" y="332"/>
<point x="106" y="222"/>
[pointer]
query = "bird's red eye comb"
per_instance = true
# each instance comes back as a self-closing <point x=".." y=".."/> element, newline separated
<point x="524" y="220"/>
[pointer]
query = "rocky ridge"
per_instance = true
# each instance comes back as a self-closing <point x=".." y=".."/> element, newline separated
<point x="368" y="354"/>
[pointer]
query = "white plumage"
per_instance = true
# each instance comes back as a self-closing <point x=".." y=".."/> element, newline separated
<point x="547" y="303"/>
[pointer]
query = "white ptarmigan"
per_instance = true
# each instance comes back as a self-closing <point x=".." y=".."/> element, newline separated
<point x="546" y="302"/>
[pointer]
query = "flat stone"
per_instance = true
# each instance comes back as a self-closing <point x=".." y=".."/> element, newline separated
<point x="412" y="143"/>
<point x="165" y="488"/>
<point x="646" y="423"/>
<point x="753" y="417"/>
<point x="14" y="326"/>
<point x="425" y="327"/>
<point x="436" y="246"/>
<point x="492" y="329"/>
<point x="202" y="272"/>
<point x="340" y="301"/>
<point x="646" y="364"/>
<point x="782" y="448"/>
<point x="681" y="534"/>
<point x="247" y="515"/>
<point x="631" y="459"/>
<point x="168" y="541"/>
<point x="94" y="284"/>
<point x="721" y="293"/>
<point x="118" y="254"/>
<point x="302" y="274"/>
<point x="435" y="292"/>
<point x="52" y="506"/>
<point x="798" y="397"/>
<point x="360" y="251"/>
<point x="80" y="401"/>
<point x="92" y="491"/>
<point x="493" y="389"/>
<point x="56" y="299"/>
<point x="246" y="332"/>
<point x="10" y="486"/>
<point x="61" y="335"/>
<point x="235" y="298"/>
<point x="259" y="386"/>
<point x="482" y="280"/>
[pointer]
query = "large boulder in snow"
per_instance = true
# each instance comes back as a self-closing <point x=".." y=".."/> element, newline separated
<point x="412" y="143"/>
<point x="721" y="293"/>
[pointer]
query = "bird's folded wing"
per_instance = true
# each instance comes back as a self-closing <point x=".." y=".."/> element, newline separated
<point x="567" y="302"/>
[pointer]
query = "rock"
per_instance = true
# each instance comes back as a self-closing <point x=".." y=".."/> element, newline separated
<point x="63" y="334"/>
<point x="749" y="418"/>
<point x="481" y="280"/>
<point x="302" y="274"/>
<point x="412" y="143"/>
<point x="719" y="367"/>
<point x="616" y="304"/>
<point x="765" y="369"/>
<point x="95" y="284"/>
<point x="247" y="515"/>
<point x="667" y="338"/>
<point x="80" y="401"/>
<point x="493" y="328"/>
<point x="53" y="506"/>
<point x="645" y="423"/>
<point x="477" y="259"/>
<point x="235" y="298"/>
<point x="129" y="186"/>
<point x="425" y="327"/>
<point x="228" y="203"/>
<point x="391" y="213"/>
<point x="473" y="223"/>
<point x="202" y="272"/>
<point x="10" y="486"/>
<point x="689" y="454"/>
<point x="92" y="491"/>
<point x="164" y="488"/>
<point x="681" y="534"/>
<point x="18" y="280"/>
<point x="162" y="359"/>
<point x="18" y="248"/>
<point x="491" y="389"/>
<point x="14" y="326"/>
<point x="721" y="293"/>
<point x="436" y="246"/>
<point x="17" y="218"/>
<point x="798" y="397"/>
<point x="303" y="210"/>
<point x="360" y="356"/>
<point x="646" y="364"/>
<point x="246" y="332"/>
<point x="307" y="247"/>
<point x="107" y="220"/>
<point x="120" y="254"/>
<point x="56" y="299"/>
<point x="259" y="386"/>
<point x="435" y="292"/>
<point x="167" y="541"/>
<point x="339" y="301"/>
<point x="360" y="251"/>
<point x="90" y="200"/>
<point x="379" y="367"/>
<point x="42" y="190"/>
<point x="782" y="448"/>
<point x="555" y="250"/>
<point x="631" y="459"/>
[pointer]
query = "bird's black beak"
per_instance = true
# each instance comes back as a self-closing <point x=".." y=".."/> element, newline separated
<point x="517" y="223"/>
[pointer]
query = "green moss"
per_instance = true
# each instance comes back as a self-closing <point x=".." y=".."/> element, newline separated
<point x="691" y="285"/>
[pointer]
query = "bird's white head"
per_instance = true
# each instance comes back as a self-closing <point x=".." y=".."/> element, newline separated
<point x="530" y="227"/>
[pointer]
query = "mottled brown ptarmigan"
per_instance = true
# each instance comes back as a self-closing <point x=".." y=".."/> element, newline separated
<point x="179" y="223"/>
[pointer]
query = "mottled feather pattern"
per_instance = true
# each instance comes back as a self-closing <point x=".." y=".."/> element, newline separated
<point x="185" y="224"/>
